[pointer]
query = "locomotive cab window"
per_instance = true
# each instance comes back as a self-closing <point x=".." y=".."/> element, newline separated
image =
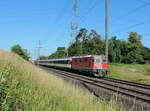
<point x="96" y="60"/>
<point x="104" y="60"/>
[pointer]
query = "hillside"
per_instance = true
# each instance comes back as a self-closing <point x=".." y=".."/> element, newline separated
<point x="132" y="72"/>
<point x="23" y="86"/>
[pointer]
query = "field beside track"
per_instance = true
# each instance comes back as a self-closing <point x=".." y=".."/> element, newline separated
<point x="130" y="72"/>
<point x="23" y="86"/>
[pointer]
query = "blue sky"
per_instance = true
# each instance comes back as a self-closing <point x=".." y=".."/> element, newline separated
<point x="25" y="22"/>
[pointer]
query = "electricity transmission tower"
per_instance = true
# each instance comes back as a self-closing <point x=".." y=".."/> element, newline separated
<point x="74" y="22"/>
<point x="39" y="49"/>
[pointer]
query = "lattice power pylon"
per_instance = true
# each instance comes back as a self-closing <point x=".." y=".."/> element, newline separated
<point x="74" y="22"/>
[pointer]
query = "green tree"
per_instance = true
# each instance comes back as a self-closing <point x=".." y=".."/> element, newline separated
<point x="96" y="44"/>
<point x="134" y="46"/>
<point x="43" y="57"/>
<point x="115" y="50"/>
<point x="77" y="48"/>
<point x="145" y="52"/>
<point x="18" y="50"/>
<point x="60" y="53"/>
<point x="124" y="51"/>
<point x="86" y="44"/>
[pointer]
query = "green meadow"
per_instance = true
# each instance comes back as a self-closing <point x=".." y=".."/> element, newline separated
<point x="132" y="72"/>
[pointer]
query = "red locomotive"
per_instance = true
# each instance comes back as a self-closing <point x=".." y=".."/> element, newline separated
<point x="93" y="64"/>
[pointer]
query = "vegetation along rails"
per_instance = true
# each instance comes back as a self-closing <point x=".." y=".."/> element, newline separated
<point x="139" y="91"/>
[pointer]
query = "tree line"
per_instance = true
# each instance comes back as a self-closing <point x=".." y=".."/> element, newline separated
<point x="91" y="43"/>
<point x="120" y="51"/>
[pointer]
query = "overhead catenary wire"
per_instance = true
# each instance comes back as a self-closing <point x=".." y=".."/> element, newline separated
<point x="132" y="26"/>
<point x="127" y="14"/>
<point x="92" y="6"/>
<point x="60" y="15"/>
<point x="130" y="12"/>
<point x="89" y="10"/>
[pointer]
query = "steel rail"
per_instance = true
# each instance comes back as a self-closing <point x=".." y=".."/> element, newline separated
<point x="145" y="86"/>
<point x="124" y="82"/>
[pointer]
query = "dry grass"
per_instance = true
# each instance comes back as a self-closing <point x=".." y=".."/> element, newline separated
<point x="31" y="88"/>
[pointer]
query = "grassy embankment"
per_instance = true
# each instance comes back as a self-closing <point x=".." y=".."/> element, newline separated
<point x="132" y="72"/>
<point x="23" y="86"/>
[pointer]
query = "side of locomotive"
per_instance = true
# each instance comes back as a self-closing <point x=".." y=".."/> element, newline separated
<point x="93" y="64"/>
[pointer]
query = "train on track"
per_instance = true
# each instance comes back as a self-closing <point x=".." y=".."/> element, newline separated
<point x="92" y="64"/>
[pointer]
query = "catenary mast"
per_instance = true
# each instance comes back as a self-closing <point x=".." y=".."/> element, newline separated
<point x="106" y="29"/>
<point x="74" y="22"/>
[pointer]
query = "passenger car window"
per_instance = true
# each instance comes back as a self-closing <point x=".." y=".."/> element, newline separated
<point x="85" y="59"/>
<point x="76" y="60"/>
<point x="92" y="60"/>
<point x="80" y="60"/>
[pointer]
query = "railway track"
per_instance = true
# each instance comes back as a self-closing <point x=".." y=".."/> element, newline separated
<point x="140" y="92"/>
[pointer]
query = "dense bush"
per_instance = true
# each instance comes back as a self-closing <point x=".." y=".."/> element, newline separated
<point x="9" y="96"/>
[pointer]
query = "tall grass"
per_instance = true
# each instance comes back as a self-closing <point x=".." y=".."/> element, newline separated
<point x="132" y="72"/>
<point x="147" y="69"/>
<point x="23" y="86"/>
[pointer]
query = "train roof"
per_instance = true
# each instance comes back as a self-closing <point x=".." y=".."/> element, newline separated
<point x="59" y="59"/>
<point x="70" y="58"/>
<point x="87" y="56"/>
